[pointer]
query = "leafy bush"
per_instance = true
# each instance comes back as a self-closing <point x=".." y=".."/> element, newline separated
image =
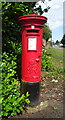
<point x="58" y="70"/>
<point x="46" y="61"/>
<point x="11" y="100"/>
<point x="48" y="65"/>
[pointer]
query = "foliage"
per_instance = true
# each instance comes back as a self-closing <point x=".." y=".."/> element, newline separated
<point x="57" y="70"/>
<point x="47" y="33"/>
<point x="38" y="10"/>
<point x="58" y="64"/>
<point x="57" y="56"/>
<point x="57" y="42"/>
<point x="10" y="26"/>
<point x="11" y="39"/>
<point x="12" y="101"/>
<point x="63" y="40"/>
<point x="50" y="43"/>
<point x="46" y="61"/>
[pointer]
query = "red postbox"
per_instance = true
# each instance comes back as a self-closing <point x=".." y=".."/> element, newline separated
<point x="32" y="27"/>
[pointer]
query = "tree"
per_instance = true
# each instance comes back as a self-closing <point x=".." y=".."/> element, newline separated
<point x="10" y="26"/>
<point x="47" y="33"/>
<point x="63" y="40"/>
<point x="40" y="11"/>
<point x="57" y="42"/>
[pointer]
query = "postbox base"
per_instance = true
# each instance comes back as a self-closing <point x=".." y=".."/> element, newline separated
<point x="34" y="91"/>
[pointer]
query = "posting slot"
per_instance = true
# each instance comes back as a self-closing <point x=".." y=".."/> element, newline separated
<point x="31" y="31"/>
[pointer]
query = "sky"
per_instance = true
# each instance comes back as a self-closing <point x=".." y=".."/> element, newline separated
<point x="55" y="17"/>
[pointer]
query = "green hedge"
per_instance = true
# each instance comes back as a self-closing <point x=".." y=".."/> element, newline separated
<point x="46" y="61"/>
<point x="11" y="99"/>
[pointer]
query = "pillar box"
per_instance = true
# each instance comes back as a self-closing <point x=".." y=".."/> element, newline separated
<point x="32" y="28"/>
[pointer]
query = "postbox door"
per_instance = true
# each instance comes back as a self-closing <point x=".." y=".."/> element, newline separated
<point x="33" y="54"/>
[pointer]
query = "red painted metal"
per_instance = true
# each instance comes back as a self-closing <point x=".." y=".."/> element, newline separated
<point x="32" y="26"/>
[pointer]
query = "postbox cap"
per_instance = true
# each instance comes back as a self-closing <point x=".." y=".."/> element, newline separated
<point x="32" y="16"/>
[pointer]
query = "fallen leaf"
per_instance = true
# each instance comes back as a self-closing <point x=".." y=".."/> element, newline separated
<point x="54" y="88"/>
